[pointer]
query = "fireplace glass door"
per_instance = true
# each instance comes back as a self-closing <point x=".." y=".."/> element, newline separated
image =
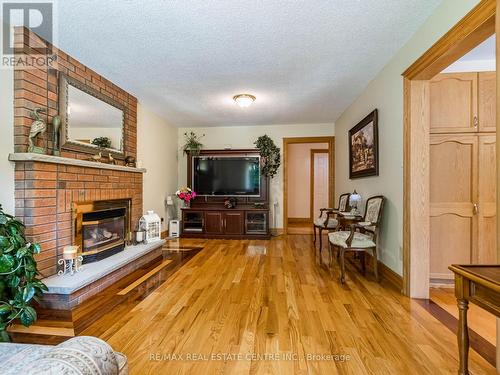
<point x="103" y="233"/>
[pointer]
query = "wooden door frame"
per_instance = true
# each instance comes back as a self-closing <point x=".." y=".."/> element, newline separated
<point x="474" y="28"/>
<point x="312" y="169"/>
<point x="331" y="169"/>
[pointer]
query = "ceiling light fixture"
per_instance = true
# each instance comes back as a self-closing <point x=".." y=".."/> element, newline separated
<point x="244" y="100"/>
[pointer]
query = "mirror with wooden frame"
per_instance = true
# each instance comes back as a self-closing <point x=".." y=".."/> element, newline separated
<point x="90" y="121"/>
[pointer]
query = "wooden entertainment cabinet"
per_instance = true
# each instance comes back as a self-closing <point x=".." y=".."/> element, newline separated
<point x="208" y="218"/>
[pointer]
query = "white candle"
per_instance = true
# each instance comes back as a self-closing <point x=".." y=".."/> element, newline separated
<point x="69" y="252"/>
<point x="139" y="236"/>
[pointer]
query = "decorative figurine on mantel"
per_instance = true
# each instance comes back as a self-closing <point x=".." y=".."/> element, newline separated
<point x="111" y="159"/>
<point x="38" y="127"/>
<point x="56" y="125"/>
<point x="96" y="157"/>
<point x="130" y="161"/>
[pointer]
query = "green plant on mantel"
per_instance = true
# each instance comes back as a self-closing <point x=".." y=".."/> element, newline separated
<point x="192" y="144"/>
<point x="270" y="155"/>
<point x="19" y="284"/>
<point x="102" y="142"/>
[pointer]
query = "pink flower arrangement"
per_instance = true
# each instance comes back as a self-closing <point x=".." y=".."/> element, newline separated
<point x="185" y="194"/>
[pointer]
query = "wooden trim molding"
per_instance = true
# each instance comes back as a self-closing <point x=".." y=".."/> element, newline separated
<point x="331" y="167"/>
<point x="473" y="29"/>
<point x="385" y="273"/>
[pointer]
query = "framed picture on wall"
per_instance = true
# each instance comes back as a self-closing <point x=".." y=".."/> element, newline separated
<point x="363" y="147"/>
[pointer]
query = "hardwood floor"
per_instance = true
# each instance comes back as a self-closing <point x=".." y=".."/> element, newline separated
<point x="259" y="301"/>
<point x="478" y="319"/>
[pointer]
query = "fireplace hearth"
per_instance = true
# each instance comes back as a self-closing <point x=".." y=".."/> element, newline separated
<point x="101" y="228"/>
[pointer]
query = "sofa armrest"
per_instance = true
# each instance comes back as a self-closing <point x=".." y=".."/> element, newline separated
<point x="77" y="356"/>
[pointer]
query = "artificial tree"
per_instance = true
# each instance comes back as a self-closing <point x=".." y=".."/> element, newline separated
<point x="270" y="155"/>
<point x="19" y="284"/>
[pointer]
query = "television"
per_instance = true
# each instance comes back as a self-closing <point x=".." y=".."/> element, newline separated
<point x="226" y="175"/>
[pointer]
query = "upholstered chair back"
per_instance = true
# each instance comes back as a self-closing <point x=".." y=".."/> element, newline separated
<point x="373" y="209"/>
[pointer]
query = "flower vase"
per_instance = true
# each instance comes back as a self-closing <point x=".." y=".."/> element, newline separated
<point x="187" y="204"/>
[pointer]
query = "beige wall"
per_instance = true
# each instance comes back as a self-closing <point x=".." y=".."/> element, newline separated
<point x="299" y="187"/>
<point x="157" y="151"/>
<point x="385" y="92"/>
<point x="244" y="137"/>
<point x="6" y="139"/>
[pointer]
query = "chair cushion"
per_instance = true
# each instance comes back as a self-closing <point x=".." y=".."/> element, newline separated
<point x="360" y="240"/>
<point x="320" y="222"/>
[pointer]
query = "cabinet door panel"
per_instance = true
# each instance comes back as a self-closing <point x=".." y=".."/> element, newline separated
<point x="451" y="242"/>
<point x="487" y="239"/>
<point x="234" y="222"/>
<point x="213" y="222"/>
<point x="453" y="192"/>
<point x="487" y="101"/>
<point x="453" y="102"/>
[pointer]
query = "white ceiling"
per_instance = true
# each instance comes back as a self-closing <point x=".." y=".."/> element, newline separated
<point x="481" y="58"/>
<point x="484" y="51"/>
<point x="305" y="61"/>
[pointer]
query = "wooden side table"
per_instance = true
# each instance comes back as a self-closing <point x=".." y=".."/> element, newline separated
<point x="479" y="284"/>
<point x="346" y="219"/>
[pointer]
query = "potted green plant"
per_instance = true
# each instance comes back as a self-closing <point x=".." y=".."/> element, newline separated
<point x="102" y="142"/>
<point x="269" y="154"/>
<point x="19" y="284"/>
<point x="192" y="144"/>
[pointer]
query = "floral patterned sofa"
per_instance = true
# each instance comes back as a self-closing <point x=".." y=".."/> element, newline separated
<point x="83" y="355"/>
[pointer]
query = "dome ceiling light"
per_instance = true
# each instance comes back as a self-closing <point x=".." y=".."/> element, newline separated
<point x="244" y="100"/>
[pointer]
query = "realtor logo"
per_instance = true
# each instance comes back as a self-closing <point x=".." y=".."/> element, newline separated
<point x="37" y="16"/>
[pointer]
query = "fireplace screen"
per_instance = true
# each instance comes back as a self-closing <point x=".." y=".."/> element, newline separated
<point x="103" y="233"/>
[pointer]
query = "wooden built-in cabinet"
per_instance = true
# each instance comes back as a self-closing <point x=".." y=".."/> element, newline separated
<point x="225" y="223"/>
<point x="462" y="171"/>
<point x="463" y="102"/>
<point x="208" y="218"/>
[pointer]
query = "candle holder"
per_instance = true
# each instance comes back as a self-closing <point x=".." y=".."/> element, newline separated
<point x="70" y="266"/>
<point x="70" y="261"/>
<point x="139" y="237"/>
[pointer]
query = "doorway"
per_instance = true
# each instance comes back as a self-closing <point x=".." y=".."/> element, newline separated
<point x="463" y="177"/>
<point x="447" y="208"/>
<point x="308" y="181"/>
<point x="477" y="26"/>
<point x="319" y="181"/>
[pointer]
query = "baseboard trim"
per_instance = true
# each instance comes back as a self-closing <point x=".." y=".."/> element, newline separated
<point x="392" y="277"/>
<point x="300" y="220"/>
<point x="387" y="274"/>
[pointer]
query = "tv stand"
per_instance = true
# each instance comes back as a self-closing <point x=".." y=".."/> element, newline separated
<point x="225" y="223"/>
<point x="208" y="218"/>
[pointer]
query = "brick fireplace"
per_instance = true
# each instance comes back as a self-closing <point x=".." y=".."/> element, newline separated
<point x="48" y="189"/>
<point x="46" y="194"/>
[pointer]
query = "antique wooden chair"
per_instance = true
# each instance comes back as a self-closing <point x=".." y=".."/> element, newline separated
<point x="327" y="220"/>
<point x="362" y="238"/>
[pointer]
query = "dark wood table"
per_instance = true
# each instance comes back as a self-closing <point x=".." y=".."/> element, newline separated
<point x="479" y="284"/>
<point x="346" y="219"/>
